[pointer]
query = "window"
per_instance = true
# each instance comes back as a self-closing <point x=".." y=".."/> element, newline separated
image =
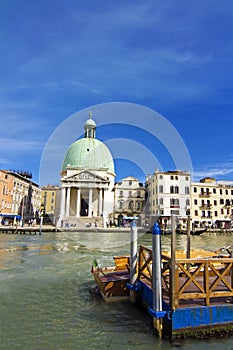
<point x="130" y="205"/>
<point x="220" y="191"/>
<point x="139" y="194"/>
<point x="174" y="189"/>
<point x="215" y="213"/>
<point x="221" y="201"/>
<point x="175" y="212"/>
<point x="161" y="201"/>
<point x="171" y="177"/>
<point x="121" y="205"/>
<point x="186" y="190"/>
<point x="138" y="205"/>
<point x="186" y="178"/>
<point x="196" y="212"/>
<point x="174" y="202"/>
<point x="121" y="193"/>
<point x="226" y="191"/>
<point x="130" y="183"/>
<point x="194" y="189"/>
<point x="187" y="202"/>
<point x="195" y="201"/>
<point x="161" y="176"/>
<point x="215" y="202"/>
<point x="160" y="189"/>
<point x="176" y="177"/>
<point x="130" y="193"/>
<point x="214" y="190"/>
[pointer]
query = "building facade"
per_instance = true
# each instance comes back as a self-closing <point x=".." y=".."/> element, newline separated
<point x="19" y="195"/>
<point x="48" y="201"/>
<point x="87" y="179"/>
<point x="6" y="191"/>
<point x="167" y="193"/>
<point x="129" y="198"/>
<point x="212" y="203"/>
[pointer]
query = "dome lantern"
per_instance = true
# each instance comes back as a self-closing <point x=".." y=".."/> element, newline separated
<point x="88" y="152"/>
<point x="90" y="127"/>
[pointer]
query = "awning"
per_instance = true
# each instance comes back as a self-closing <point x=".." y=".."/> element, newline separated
<point x="11" y="216"/>
<point x="130" y="217"/>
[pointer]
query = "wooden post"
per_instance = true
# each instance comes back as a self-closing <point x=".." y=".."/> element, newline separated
<point x="173" y="301"/>
<point x="188" y="238"/>
<point x="133" y="259"/>
<point x="41" y="222"/>
<point x="188" y="242"/>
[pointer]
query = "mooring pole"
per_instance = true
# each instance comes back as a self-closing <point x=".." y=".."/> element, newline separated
<point x="173" y="266"/>
<point x="41" y="222"/>
<point x="188" y="238"/>
<point x="156" y="277"/>
<point x="133" y="259"/>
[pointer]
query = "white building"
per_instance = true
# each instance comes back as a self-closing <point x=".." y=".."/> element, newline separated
<point x="87" y="181"/>
<point x="212" y="202"/>
<point x="167" y="193"/>
<point x="129" y="198"/>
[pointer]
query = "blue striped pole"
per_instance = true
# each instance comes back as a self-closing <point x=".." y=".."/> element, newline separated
<point x="156" y="277"/>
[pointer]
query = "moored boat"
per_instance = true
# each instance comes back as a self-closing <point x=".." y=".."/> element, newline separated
<point x="195" y="232"/>
<point x="112" y="280"/>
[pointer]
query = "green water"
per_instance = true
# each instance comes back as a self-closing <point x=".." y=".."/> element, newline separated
<point x="45" y="299"/>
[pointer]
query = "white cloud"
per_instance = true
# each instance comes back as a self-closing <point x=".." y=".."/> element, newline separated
<point x="220" y="170"/>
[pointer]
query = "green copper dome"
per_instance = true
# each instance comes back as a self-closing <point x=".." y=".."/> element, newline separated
<point x="88" y="152"/>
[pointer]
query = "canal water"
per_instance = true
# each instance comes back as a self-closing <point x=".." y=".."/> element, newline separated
<point x="46" y="301"/>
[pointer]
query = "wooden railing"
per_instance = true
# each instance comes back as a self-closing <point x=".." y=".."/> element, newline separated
<point x="194" y="278"/>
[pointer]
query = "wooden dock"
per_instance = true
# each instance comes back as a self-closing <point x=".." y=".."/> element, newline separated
<point x="197" y="299"/>
<point x="29" y="230"/>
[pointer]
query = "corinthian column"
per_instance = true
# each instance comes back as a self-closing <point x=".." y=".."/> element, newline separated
<point x="90" y="202"/>
<point x="78" y="203"/>
<point x="68" y="202"/>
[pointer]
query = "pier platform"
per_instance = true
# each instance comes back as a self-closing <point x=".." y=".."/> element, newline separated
<point x="30" y="230"/>
<point x="197" y="293"/>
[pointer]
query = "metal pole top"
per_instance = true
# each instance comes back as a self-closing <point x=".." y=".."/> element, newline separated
<point x="156" y="229"/>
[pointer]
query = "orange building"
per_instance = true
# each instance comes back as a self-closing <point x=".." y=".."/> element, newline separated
<point x="6" y="192"/>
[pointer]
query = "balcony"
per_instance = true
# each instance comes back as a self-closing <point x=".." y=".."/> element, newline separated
<point x="205" y="194"/>
<point x="205" y="206"/>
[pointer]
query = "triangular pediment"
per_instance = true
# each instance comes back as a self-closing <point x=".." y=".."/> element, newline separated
<point x="86" y="176"/>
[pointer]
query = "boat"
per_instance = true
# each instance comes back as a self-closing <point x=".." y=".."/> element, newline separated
<point x="196" y="232"/>
<point x="111" y="281"/>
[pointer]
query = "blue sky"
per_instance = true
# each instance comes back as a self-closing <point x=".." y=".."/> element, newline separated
<point x="61" y="57"/>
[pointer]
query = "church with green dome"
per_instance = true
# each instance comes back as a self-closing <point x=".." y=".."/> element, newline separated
<point x="87" y="182"/>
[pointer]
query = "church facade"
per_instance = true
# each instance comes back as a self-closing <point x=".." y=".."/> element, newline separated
<point x="86" y="193"/>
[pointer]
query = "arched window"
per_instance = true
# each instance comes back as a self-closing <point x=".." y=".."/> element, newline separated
<point x="130" y="205"/>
